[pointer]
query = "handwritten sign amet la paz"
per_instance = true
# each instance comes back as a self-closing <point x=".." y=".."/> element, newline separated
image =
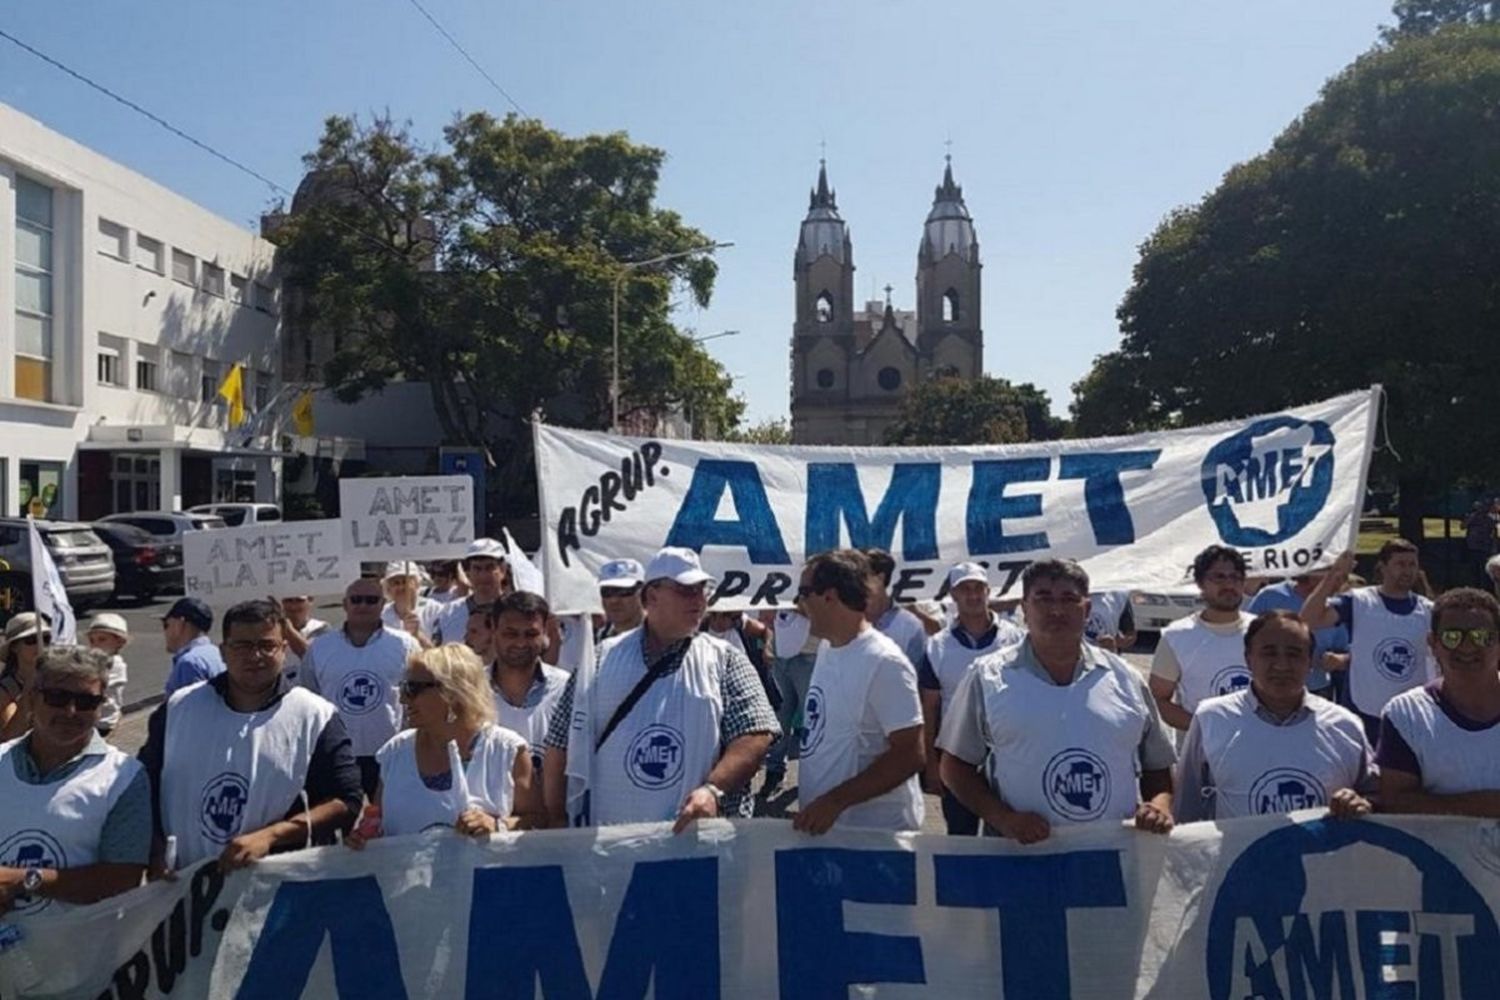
<point x="287" y="558"/>
<point x="407" y="517"/>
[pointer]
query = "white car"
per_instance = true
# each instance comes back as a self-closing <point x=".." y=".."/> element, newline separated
<point x="238" y="514"/>
<point x="1155" y="610"/>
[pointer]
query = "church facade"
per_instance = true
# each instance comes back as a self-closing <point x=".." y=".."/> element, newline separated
<point x="852" y="367"/>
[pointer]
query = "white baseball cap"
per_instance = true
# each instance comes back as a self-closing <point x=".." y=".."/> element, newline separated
<point x="966" y="571"/>
<point x="486" y="548"/>
<point x="678" y="564"/>
<point x="621" y="574"/>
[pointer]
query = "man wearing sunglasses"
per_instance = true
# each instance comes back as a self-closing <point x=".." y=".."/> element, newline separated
<point x="620" y="585"/>
<point x="1439" y="750"/>
<point x="75" y="813"/>
<point x="358" y="667"/>
<point x="248" y="763"/>
<point x="676" y="721"/>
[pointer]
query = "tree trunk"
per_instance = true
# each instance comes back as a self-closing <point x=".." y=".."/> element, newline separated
<point x="1411" y="499"/>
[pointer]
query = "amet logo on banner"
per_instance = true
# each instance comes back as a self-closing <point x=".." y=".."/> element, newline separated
<point x="1267" y="482"/>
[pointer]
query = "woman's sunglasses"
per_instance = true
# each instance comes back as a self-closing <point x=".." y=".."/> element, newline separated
<point x="410" y="689"/>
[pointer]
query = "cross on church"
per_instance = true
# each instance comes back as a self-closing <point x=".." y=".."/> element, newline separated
<point x="888" y="290"/>
<point x="948" y="144"/>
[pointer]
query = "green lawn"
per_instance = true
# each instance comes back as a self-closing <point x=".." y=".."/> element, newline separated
<point x="1376" y="531"/>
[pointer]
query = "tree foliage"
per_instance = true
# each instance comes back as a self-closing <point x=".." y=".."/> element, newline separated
<point x="948" y="410"/>
<point x="772" y="431"/>
<point x="486" y="269"/>
<point x="1363" y="247"/>
<point x="1423" y="17"/>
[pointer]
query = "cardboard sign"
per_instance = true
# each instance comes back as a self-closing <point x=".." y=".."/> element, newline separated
<point x="407" y="517"/>
<point x="282" y="559"/>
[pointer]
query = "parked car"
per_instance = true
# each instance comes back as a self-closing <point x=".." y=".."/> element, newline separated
<point x="144" y="564"/>
<point x="238" y="514"/>
<point x="1155" y="610"/>
<point x="85" y="562"/>
<point x="165" y="525"/>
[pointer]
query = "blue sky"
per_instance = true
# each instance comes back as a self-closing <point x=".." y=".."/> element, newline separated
<point x="1075" y="127"/>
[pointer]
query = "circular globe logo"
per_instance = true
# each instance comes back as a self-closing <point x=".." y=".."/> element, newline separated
<point x="223" y="807"/>
<point x="32" y="849"/>
<point x="1076" y="784"/>
<point x="813" y="721"/>
<point x="1269" y="481"/>
<point x="1283" y="790"/>
<point x="654" y="758"/>
<point x="1396" y="658"/>
<point x="362" y="692"/>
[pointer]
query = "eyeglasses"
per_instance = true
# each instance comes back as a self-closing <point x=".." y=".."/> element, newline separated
<point x="29" y="640"/>
<point x="1452" y="638"/>
<point x="264" y="647"/>
<point x="366" y="599"/>
<point x="411" y="689"/>
<point x="58" y="698"/>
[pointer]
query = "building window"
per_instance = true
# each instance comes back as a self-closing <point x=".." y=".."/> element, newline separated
<point x="110" y="366"/>
<point x="239" y="290"/>
<point x="825" y="378"/>
<point x="889" y="379"/>
<point x="264" y="298"/>
<point x="137" y="482"/>
<point x="950" y="306"/>
<point x="824" y="308"/>
<point x="183" y="367"/>
<point x="34" y="344"/>
<point x="262" y="391"/>
<point x="208" y="382"/>
<point x="213" y="279"/>
<point x="184" y="267"/>
<point x="114" y="240"/>
<point x="147" y="367"/>
<point x="150" y="255"/>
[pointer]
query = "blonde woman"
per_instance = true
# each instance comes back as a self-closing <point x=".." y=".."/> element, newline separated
<point x="406" y="610"/>
<point x="447" y="698"/>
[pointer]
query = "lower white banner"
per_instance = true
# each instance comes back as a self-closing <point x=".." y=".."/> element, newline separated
<point x="1301" y="908"/>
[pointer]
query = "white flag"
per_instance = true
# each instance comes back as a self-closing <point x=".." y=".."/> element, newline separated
<point x="524" y="574"/>
<point x="48" y="592"/>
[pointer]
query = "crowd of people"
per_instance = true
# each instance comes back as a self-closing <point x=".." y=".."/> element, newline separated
<point x="448" y="698"/>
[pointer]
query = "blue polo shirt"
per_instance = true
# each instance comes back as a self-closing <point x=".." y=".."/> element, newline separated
<point x="198" y="661"/>
<point x="1334" y="639"/>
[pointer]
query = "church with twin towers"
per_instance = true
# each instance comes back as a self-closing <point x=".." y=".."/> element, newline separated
<point x="851" y="367"/>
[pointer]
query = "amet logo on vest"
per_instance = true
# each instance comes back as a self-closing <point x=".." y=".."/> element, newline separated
<point x="1267" y="483"/>
<point x="32" y="849"/>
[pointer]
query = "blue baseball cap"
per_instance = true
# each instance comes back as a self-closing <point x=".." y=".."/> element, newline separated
<point x="193" y="611"/>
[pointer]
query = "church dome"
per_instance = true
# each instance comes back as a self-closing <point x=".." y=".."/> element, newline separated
<point x="950" y="228"/>
<point x="823" y="230"/>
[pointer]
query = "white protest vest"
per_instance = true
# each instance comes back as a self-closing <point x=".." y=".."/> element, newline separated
<point x="950" y="659"/>
<point x="57" y="825"/>
<point x="1388" y="653"/>
<point x="1259" y="769"/>
<point x="225" y="772"/>
<point x="1213" y="664"/>
<point x="1105" y="609"/>
<point x="667" y="744"/>
<point x="1070" y="754"/>
<point x="362" y="682"/>
<point x="530" y="721"/>
<point x="836" y="742"/>
<point x="1453" y="759"/>
<point x="409" y="806"/>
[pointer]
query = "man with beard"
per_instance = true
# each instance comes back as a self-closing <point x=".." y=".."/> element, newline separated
<point x="526" y="689"/>
<point x="1203" y="655"/>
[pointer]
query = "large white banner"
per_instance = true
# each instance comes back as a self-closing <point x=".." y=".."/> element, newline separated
<point x="1254" y="909"/>
<point x="280" y="559"/>
<point x="1285" y="489"/>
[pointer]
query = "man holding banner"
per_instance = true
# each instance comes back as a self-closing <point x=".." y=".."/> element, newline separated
<point x="675" y="723"/>
<point x="1203" y="656"/>
<point x="862" y="743"/>
<point x="1038" y="773"/>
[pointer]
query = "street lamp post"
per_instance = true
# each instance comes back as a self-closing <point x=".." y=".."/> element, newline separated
<point x="625" y="271"/>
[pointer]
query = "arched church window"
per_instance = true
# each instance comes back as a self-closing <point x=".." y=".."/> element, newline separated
<point x="825" y="378"/>
<point x="950" y="306"/>
<point x="824" y="308"/>
<point x="889" y="379"/>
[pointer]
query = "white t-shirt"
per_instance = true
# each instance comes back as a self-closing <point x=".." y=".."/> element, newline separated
<point x="427" y="610"/>
<point x="906" y="631"/>
<point x="860" y="693"/>
<point x="407" y="805"/>
<point x="361" y="682"/>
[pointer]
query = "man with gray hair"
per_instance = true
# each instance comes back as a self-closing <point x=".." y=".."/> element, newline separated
<point x="1007" y="758"/>
<point x="75" y="825"/>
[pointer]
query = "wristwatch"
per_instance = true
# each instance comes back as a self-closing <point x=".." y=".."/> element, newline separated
<point x="717" y="792"/>
<point x="31" y="882"/>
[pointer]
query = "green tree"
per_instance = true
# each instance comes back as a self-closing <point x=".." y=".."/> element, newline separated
<point x="486" y="269"/>
<point x="770" y="431"/>
<point x="947" y="410"/>
<point x="1423" y="17"/>
<point x="1363" y="247"/>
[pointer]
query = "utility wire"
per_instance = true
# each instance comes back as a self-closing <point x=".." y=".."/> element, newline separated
<point x="470" y="59"/>
<point x="101" y="88"/>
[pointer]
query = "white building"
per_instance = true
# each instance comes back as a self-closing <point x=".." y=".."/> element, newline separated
<point x="127" y="306"/>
